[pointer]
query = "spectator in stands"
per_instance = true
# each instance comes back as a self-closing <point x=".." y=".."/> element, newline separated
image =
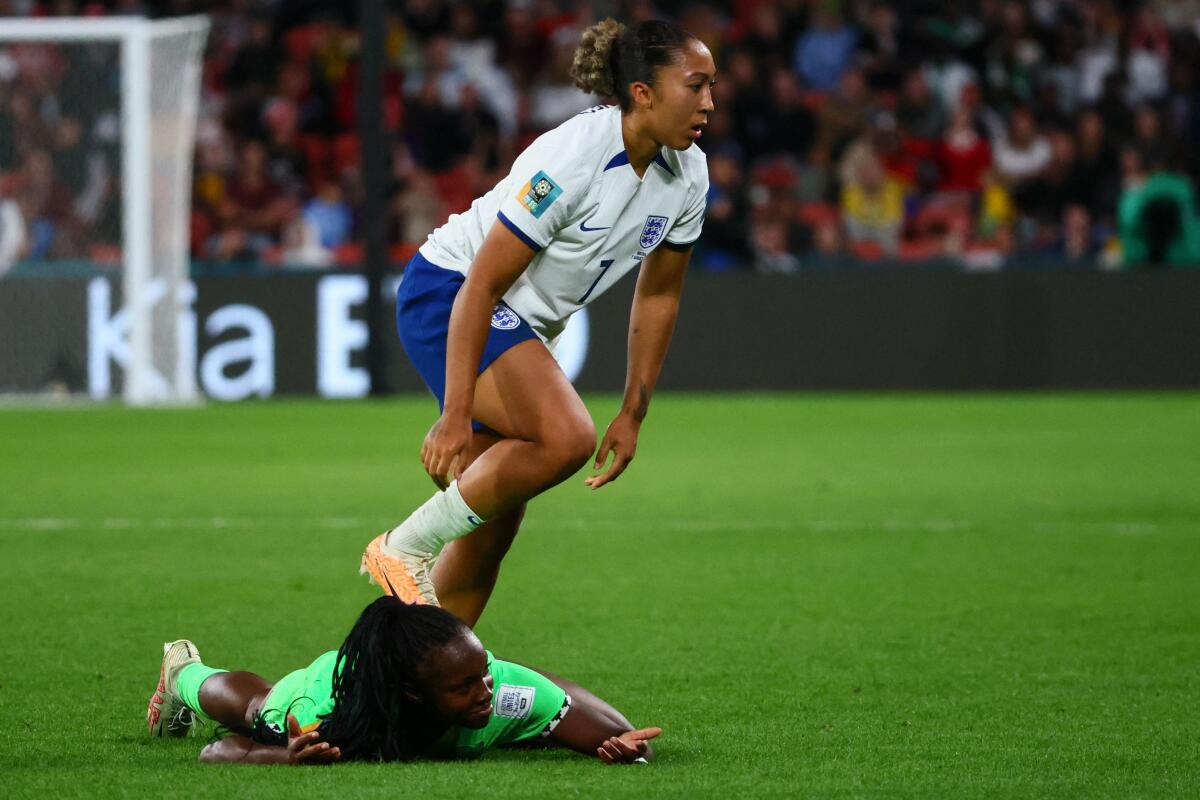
<point x="920" y="112"/>
<point x="826" y="244"/>
<point x="287" y="162"/>
<point x="823" y="51"/>
<point x="475" y="55"/>
<point x="522" y="47"/>
<point x="479" y="133"/>
<point x="1077" y="245"/>
<point x="468" y="83"/>
<point x="1157" y="215"/>
<point x="253" y="209"/>
<point x="879" y="47"/>
<point x="1023" y="152"/>
<point x="254" y="61"/>
<point x="329" y="216"/>
<point x="437" y="69"/>
<point x="789" y="127"/>
<point x="843" y="114"/>
<point x="47" y="207"/>
<point x="774" y="249"/>
<point x="555" y="98"/>
<point x="23" y="126"/>
<point x="1013" y="55"/>
<point x="82" y="171"/>
<point x="1148" y="135"/>
<point x="1113" y="108"/>
<point x="872" y="205"/>
<point x="727" y="216"/>
<point x="432" y="130"/>
<point x="1149" y="56"/>
<point x="1098" y="55"/>
<point x="1097" y="166"/>
<point x="749" y="104"/>
<point x="963" y="156"/>
<point x="769" y="37"/>
<point x="13" y="238"/>
<point x="904" y="159"/>
<point x="1061" y="184"/>
<point x="416" y="208"/>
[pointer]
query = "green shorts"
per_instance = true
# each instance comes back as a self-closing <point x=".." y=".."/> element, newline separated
<point x="525" y="705"/>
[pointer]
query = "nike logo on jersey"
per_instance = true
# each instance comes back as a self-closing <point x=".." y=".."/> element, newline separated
<point x="583" y="227"/>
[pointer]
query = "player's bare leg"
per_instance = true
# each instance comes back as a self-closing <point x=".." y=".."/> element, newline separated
<point x="466" y="571"/>
<point x="234" y="698"/>
<point x="547" y="435"/>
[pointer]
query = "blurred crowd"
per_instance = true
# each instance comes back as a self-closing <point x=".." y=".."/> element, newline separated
<point x="988" y="133"/>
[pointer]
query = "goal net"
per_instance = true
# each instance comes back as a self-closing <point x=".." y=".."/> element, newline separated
<point x="97" y="126"/>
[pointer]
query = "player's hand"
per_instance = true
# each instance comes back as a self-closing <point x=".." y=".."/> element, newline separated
<point x="628" y="747"/>
<point x="621" y="440"/>
<point x="444" y="445"/>
<point x="305" y="748"/>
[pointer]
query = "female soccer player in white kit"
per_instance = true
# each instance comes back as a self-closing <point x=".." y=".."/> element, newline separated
<point x="612" y="189"/>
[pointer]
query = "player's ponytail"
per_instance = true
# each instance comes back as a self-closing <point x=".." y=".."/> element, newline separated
<point x="373" y="717"/>
<point x="611" y="56"/>
<point x="592" y="67"/>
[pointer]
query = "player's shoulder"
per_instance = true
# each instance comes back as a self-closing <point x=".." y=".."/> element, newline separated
<point x="580" y="142"/>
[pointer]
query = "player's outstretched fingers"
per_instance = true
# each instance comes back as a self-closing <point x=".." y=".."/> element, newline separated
<point x="645" y="734"/>
<point x="609" y="752"/>
<point x="305" y="748"/>
<point x="629" y="750"/>
<point x="602" y="453"/>
<point x="620" y="462"/>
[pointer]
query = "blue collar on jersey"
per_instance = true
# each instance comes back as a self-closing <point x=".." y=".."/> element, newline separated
<point x="622" y="158"/>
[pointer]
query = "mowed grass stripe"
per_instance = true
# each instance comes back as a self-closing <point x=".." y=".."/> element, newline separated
<point x="814" y="595"/>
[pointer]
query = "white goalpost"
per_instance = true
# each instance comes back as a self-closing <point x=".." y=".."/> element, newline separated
<point x="160" y="64"/>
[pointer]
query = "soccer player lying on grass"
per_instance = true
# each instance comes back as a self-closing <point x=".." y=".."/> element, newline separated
<point x="410" y="681"/>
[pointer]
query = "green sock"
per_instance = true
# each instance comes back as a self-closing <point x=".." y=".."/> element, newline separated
<point x="188" y="685"/>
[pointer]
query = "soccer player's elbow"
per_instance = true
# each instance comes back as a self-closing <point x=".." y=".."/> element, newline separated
<point x="211" y="754"/>
<point x="223" y="751"/>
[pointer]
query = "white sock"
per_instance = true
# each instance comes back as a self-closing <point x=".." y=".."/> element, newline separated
<point x="443" y="518"/>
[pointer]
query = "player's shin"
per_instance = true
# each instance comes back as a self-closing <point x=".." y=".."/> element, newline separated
<point x="441" y="519"/>
<point x="401" y="560"/>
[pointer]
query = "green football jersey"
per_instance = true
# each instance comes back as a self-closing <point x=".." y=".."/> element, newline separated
<point x="525" y="705"/>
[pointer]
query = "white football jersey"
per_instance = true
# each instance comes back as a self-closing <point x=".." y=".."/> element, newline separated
<point x="573" y="197"/>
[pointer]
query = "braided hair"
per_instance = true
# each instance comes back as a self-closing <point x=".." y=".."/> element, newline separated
<point x="373" y="718"/>
<point x="611" y="56"/>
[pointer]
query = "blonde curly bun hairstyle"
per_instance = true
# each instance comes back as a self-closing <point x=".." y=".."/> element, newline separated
<point x="592" y="67"/>
<point x="612" y="56"/>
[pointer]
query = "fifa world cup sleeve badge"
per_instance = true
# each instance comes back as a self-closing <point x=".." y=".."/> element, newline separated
<point x="538" y="193"/>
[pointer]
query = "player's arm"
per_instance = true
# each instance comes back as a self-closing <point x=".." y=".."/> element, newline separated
<point x="651" y="323"/>
<point x="302" y="748"/>
<point x="594" y="727"/>
<point x="500" y="261"/>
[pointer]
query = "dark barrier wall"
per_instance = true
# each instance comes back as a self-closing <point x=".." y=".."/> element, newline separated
<point x="909" y="329"/>
<point x="921" y="330"/>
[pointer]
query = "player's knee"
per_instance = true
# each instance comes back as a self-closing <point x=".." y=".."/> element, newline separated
<point x="576" y="445"/>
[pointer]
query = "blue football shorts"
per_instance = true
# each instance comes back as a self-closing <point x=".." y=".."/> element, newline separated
<point x="423" y="303"/>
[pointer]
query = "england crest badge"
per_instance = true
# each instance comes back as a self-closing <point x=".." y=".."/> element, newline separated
<point x="653" y="230"/>
<point x="504" y="318"/>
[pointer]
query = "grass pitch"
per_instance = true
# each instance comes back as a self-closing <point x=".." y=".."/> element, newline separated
<point x="917" y="596"/>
